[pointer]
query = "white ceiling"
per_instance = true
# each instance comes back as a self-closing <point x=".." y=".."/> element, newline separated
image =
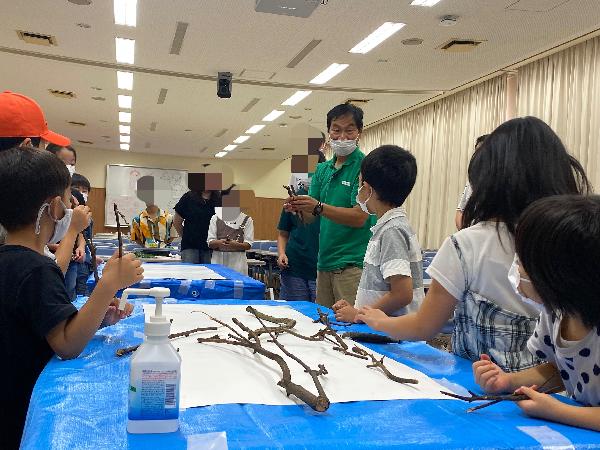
<point x="228" y="35"/>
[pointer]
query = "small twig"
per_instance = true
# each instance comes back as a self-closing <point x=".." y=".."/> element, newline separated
<point x="324" y="319"/>
<point x="378" y="363"/>
<point x="92" y="247"/>
<point x="127" y="350"/>
<point x="119" y="235"/>
<point x="492" y="399"/>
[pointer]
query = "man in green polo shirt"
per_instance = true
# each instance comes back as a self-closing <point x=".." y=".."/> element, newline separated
<point x="345" y="228"/>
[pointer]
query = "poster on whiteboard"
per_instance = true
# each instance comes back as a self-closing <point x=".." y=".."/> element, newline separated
<point x="121" y="185"/>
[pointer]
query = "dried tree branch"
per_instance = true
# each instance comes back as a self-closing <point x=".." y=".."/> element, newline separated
<point x="318" y="403"/>
<point x="127" y="350"/>
<point x="119" y="235"/>
<point x="322" y="402"/>
<point x="289" y="323"/>
<point x="324" y="319"/>
<point x="378" y="363"/>
<point x="92" y="247"/>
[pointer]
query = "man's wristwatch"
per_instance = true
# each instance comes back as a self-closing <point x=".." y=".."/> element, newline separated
<point x="318" y="209"/>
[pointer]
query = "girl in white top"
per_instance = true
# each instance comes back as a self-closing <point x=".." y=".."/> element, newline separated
<point x="558" y="248"/>
<point x="230" y="233"/>
<point x="521" y="161"/>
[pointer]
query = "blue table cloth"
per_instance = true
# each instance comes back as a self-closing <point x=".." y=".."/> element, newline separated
<point x="82" y="404"/>
<point x="234" y="286"/>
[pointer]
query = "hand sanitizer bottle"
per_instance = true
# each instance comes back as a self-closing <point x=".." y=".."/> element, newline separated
<point x="155" y="373"/>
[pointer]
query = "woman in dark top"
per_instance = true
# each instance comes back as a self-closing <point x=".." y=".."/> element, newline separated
<point x="192" y="217"/>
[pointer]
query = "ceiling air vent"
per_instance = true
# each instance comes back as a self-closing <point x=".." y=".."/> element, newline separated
<point x="36" y="38"/>
<point x="69" y="95"/>
<point x="460" y="45"/>
<point x="85" y="142"/>
<point x="268" y="149"/>
<point x="77" y="124"/>
<point x="358" y="101"/>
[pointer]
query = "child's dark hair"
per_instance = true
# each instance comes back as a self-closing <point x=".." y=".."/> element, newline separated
<point x="343" y="110"/>
<point x="558" y="245"/>
<point x="522" y="161"/>
<point x="79" y="180"/>
<point x="391" y="171"/>
<point x="10" y="142"/>
<point x="28" y="177"/>
<point x="53" y="148"/>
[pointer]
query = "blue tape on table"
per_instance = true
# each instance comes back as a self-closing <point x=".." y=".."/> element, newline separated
<point x="235" y="285"/>
<point x="82" y="403"/>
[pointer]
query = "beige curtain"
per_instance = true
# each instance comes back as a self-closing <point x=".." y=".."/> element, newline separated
<point x="441" y="135"/>
<point x="564" y="91"/>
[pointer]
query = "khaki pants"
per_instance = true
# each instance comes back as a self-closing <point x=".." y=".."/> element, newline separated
<point x="340" y="284"/>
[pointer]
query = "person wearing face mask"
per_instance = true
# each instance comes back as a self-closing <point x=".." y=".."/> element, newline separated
<point x="37" y="319"/>
<point x="469" y="273"/>
<point x="230" y="232"/>
<point x="345" y="227"/>
<point x="66" y="154"/>
<point x="392" y="278"/>
<point x="82" y="185"/>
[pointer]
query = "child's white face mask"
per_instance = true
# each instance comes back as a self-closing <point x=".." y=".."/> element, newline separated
<point x="515" y="278"/>
<point x="61" y="225"/>
<point x="363" y="205"/>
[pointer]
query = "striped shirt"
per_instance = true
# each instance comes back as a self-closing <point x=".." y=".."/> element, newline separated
<point x="392" y="250"/>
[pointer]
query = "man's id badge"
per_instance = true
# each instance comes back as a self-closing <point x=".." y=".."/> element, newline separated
<point x="346" y="183"/>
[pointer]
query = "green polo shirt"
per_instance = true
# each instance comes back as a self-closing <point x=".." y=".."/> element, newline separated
<point x="339" y="245"/>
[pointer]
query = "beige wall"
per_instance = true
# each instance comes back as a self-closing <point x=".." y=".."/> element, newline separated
<point x="266" y="177"/>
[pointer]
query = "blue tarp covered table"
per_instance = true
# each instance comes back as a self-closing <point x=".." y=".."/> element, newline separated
<point x="82" y="404"/>
<point x="235" y="285"/>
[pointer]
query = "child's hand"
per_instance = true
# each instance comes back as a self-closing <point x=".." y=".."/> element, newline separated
<point x="79" y="255"/>
<point x="81" y="218"/>
<point x="121" y="273"/>
<point x="283" y="261"/>
<point x="346" y="314"/>
<point x="540" y="405"/>
<point x="113" y="314"/>
<point x="340" y="304"/>
<point x="371" y="317"/>
<point x="491" y="378"/>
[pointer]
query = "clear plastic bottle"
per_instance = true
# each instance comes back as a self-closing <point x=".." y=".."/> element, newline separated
<point x="155" y="375"/>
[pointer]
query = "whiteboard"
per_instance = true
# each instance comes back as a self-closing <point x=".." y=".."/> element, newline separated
<point x="121" y="182"/>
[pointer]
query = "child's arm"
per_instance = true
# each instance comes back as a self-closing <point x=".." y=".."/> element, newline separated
<point x="211" y="239"/>
<point x="436" y="310"/>
<point x="547" y="407"/>
<point x="70" y="336"/>
<point x="398" y="297"/>
<point x="80" y="250"/>
<point x="283" y="237"/>
<point x="493" y="380"/>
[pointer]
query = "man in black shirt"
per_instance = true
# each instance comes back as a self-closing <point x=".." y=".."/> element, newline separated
<point x="36" y="317"/>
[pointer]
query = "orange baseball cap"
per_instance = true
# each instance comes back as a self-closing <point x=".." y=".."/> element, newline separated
<point x="21" y="116"/>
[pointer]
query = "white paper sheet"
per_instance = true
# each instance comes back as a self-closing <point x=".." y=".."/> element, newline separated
<point x="222" y="373"/>
<point x="154" y="271"/>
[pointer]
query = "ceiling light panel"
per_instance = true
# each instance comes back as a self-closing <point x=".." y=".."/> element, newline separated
<point x="425" y="2"/>
<point x="296" y="98"/>
<point x="273" y="115"/>
<point x="377" y="37"/>
<point x="329" y="73"/>
<point x="125" y="50"/>
<point x="241" y="139"/>
<point x="124" y="129"/>
<point x="125" y="12"/>
<point x="254" y="129"/>
<point x="229" y="148"/>
<point x="124" y="117"/>
<point x="220" y="154"/>
<point x="125" y="80"/>
<point x="125" y="101"/>
<point x="125" y="139"/>
<point x="124" y="146"/>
